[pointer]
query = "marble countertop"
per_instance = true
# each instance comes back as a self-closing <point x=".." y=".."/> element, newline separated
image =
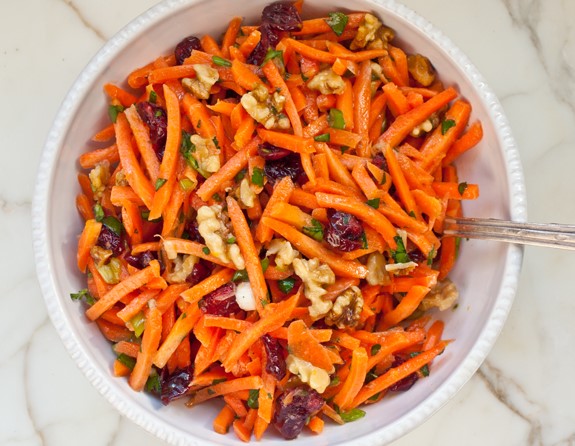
<point x="522" y="395"/>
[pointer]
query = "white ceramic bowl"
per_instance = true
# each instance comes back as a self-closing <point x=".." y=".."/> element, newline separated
<point x="486" y="273"/>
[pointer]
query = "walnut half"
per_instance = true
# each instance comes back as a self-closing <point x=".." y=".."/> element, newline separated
<point x="443" y="296"/>
<point x="346" y="309"/>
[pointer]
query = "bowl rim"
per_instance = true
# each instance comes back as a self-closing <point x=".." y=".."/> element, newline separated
<point x="42" y="246"/>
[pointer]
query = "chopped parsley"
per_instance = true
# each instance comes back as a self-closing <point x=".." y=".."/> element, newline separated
<point x="240" y="276"/>
<point x="315" y="231"/>
<point x="83" y="295"/>
<point x="364" y="244"/>
<point x="431" y="256"/>
<point x="258" y="177"/>
<point x="113" y="224"/>
<point x="159" y="183"/>
<point x="220" y="61"/>
<point x="335" y="119"/>
<point x="273" y="54"/>
<point x="400" y="254"/>
<point x="374" y="203"/>
<point x="461" y="187"/>
<point x="253" y="397"/>
<point x="352" y="415"/>
<point x="286" y="285"/>
<point x="337" y="22"/>
<point x="153" y="384"/>
<point x="324" y="137"/>
<point x="265" y="264"/>
<point x="375" y="348"/>
<point x="206" y="250"/>
<point x="114" y="111"/>
<point x="446" y="125"/>
<point x="153" y="97"/>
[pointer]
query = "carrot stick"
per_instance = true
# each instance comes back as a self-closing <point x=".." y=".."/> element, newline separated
<point x="405" y="123"/>
<point x="244" y="76"/>
<point x="224" y="420"/>
<point x="400" y="183"/>
<point x="295" y="143"/>
<point x="84" y="206"/>
<point x="455" y="191"/>
<point x="433" y="335"/>
<point x="230" y="35"/>
<point x="362" y="104"/>
<point x="260" y="427"/>
<point x="115" y="92"/>
<point x="211" y="283"/>
<point x="469" y="140"/>
<point x="274" y="77"/>
<point x="241" y="431"/>
<point x="199" y="116"/>
<point x="142" y="137"/>
<point x="223" y="388"/>
<point x="247" y="247"/>
<point x="304" y="345"/>
<point x="396" y="374"/>
<point x="106" y="134"/>
<point x="123" y="288"/>
<point x="316" y="425"/>
<point x="226" y="323"/>
<point x="320" y="25"/>
<point x="161" y="75"/>
<point x="396" y="100"/>
<point x="311" y="248"/>
<point x="281" y="194"/>
<point x="407" y="306"/>
<point x="87" y="240"/>
<point x="182" y="246"/>
<point x="134" y="174"/>
<point x="250" y="43"/>
<point x="210" y="46"/>
<point x="150" y="343"/>
<point x="273" y="317"/>
<point x="354" y="380"/>
<point x="90" y="159"/>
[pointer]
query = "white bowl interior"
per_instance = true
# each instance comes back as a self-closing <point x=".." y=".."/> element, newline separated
<point x="486" y="273"/>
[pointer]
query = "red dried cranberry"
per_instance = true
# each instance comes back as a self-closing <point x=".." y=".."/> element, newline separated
<point x="275" y="363"/>
<point x="201" y="271"/>
<point x="269" y="39"/>
<point x="405" y="383"/>
<point x="193" y="231"/>
<point x="269" y="152"/>
<point x="108" y="239"/>
<point x="221" y="302"/>
<point x="185" y="47"/>
<point x="156" y="119"/>
<point x="293" y="408"/>
<point x="343" y="231"/>
<point x="417" y="256"/>
<point x="140" y="260"/>
<point x="175" y="385"/>
<point x="380" y="161"/>
<point x="282" y="16"/>
<point x="289" y="166"/>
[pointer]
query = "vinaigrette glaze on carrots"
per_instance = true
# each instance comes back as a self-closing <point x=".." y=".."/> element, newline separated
<point x="263" y="220"/>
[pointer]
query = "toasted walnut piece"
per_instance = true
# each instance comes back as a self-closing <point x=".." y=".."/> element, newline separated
<point x="120" y="179"/>
<point x="206" y="154"/>
<point x="315" y="274"/>
<point x="442" y="296"/>
<point x="265" y="108"/>
<point x="213" y="227"/>
<point x="366" y="32"/>
<point x="376" y="272"/>
<point x="200" y="86"/>
<point x="100" y="255"/>
<point x="400" y="268"/>
<point x="285" y="254"/>
<point x="425" y="127"/>
<point x="317" y="378"/>
<point x="346" y="309"/>
<point x="327" y="82"/>
<point x="183" y="267"/>
<point x="246" y="194"/>
<point x="99" y="177"/>
<point x="421" y="69"/>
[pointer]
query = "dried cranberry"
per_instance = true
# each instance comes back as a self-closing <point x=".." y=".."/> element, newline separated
<point x="221" y="302"/>
<point x="269" y="39"/>
<point x="269" y="152"/>
<point x="417" y="256"/>
<point x="175" y="385"/>
<point x="343" y="231"/>
<point x="108" y="239"/>
<point x="380" y="161"/>
<point x="406" y="383"/>
<point x="293" y="408"/>
<point x="140" y="260"/>
<point x="185" y="47"/>
<point x="282" y="16"/>
<point x="275" y="363"/>
<point x="156" y="119"/>
<point x="290" y="166"/>
<point x="201" y="271"/>
<point x="193" y="231"/>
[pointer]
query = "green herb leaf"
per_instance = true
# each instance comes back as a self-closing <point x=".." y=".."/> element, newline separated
<point x="324" y="137"/>
<point x="383" y="179"/>
<point x="113" y="224"/>
<point x="335" y="119"/>
<point x="220" y="61"/>
<point x="153" y="384"/>
<point x="315" y="231"/>
<point x="273" y="54"/>
<point x="461" y="187"/>
<point x="286" y="285"/>
<point x="400" y="254"/>
<point x="253" y="403"/>
<point x="374" y="203"/>
<point x="352" y="415"/>
<point x="83" y="295"/>
<point x="263" y="302"/>
<point x="128" y="361"/>
<point x="114" y="111"/>
<point x="258" y="177"/>
<point x="231" y="240"/>
<point x="265" y="262"/>
<point x="159" y="183"/>
<point x="240" y="175"/>
<point x="211" y="391"/>
<point x="431" y="256"/>
<point x="216" y="197"/>
<point x="218" y="380"/>
<point x="425" y="369"/>
<point x="138" y="322"/>
<point x="98" y="212"/>
<point x="206" y="250"/>
<point x="153" y="97"/>
<point x="216" y="142"/>
<point x="187" y="148"/>
<point x="412" y="214"/>
<point x="446" y="125"/>
<point x="240" y="276"/>
<point x="343" y="149"/>
<point x="375" y="348"/>
<point x="335" y="381"/>
<point x="364" y="244"/>
<point x="337" y="22"/>
<point x="158" y="113"/>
